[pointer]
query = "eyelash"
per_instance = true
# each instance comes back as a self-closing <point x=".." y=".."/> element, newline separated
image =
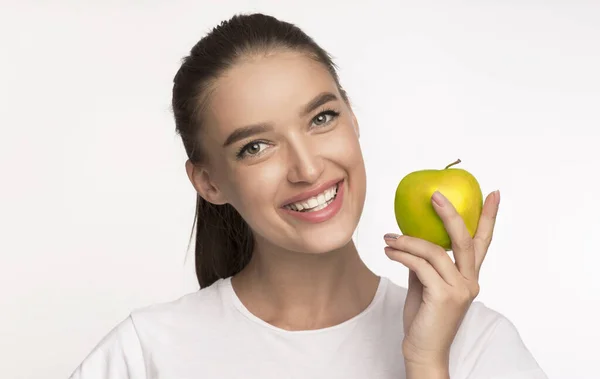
<point x="328" y="112"/>
<point x="242" y="151"/>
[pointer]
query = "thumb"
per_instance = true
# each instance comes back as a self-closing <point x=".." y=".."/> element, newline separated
<point x="413" y="300"/>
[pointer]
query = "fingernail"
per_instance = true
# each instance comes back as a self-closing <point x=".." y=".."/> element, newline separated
<point x="391" y="236"/>
<point x="438" y="198"/>
<point x="497" y="195"/>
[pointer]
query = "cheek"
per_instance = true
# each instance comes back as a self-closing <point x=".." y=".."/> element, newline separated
<point x="256" y="186"/>
<point x="344" y="148"/>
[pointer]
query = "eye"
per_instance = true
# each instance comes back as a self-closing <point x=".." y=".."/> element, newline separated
<point x="251" y="149"/>
<point x="325" y="117"/>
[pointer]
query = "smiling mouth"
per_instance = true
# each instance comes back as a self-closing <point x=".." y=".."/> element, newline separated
<point x="315" y="203"/>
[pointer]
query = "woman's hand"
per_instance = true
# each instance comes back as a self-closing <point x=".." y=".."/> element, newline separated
<point x="440" y="291"/>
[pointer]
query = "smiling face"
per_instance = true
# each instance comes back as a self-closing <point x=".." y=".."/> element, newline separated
<point x="278" y="138"/>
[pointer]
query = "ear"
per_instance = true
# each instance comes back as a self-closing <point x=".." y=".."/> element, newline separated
<point x="200" y="178"/>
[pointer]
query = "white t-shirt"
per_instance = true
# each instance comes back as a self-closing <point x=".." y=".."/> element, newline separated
<point x="209" y="334"/>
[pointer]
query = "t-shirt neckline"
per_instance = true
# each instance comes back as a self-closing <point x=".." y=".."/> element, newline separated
<point x="237" y="303"/>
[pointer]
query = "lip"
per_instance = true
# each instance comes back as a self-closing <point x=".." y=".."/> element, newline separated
<point x="312" y="192"/>
<point x="324" y="214"/>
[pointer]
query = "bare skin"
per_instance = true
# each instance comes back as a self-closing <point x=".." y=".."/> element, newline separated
<point x="307" y="292"/>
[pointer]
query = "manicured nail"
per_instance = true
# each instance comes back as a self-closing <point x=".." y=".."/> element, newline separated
<point x="438" y="198"/>
<point x="391" y="236"/>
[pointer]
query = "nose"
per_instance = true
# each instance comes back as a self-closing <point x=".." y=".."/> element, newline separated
<point x="305" y="162"/>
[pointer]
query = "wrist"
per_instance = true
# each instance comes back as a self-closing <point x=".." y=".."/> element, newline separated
<point x="425" y="364"/>
<point x="424" y="371"/>
<point x="419" y="358"/>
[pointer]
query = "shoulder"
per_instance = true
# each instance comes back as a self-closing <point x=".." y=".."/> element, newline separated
<point x="121" y="353"/>
<point x="117" y="355"/>
<point x="190" y="313"/>
<point x="488" y="344"/>
<point x="205" y="300"/>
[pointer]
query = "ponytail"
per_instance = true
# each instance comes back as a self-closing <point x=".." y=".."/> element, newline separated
<point x="224" y="242"/>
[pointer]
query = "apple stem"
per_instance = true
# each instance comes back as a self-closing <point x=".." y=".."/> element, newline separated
<point x="453" y="163"/>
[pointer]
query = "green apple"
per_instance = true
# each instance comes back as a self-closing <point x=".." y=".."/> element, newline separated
<point x="415" y="214"/>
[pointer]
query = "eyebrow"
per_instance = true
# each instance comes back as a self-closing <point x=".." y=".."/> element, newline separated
<point x="250" y="130"/>
<point x="247" y="131"/>
<point x="319" y="100"/>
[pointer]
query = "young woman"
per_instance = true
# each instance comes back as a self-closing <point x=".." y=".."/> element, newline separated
<point x="274" y="156"/>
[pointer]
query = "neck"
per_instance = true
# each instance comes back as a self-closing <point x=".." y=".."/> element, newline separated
<point x="299" y="291"/>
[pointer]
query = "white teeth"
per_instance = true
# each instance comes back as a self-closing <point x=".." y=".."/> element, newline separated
<point x="321" y="198"/>
<point x="319" y="207"/>
<point x="315" y="203"/>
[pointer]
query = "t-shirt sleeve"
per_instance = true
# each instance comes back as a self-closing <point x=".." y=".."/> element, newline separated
<point x="504" y="356"/>
<point x="117" y="356"/>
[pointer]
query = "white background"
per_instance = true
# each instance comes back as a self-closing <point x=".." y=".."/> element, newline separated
<point x="96" y="209"/>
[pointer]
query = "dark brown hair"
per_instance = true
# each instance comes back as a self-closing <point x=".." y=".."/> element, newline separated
<point x="224" y="241"/>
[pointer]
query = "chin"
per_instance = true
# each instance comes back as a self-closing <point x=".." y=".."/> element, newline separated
<point x="324" y="240"/>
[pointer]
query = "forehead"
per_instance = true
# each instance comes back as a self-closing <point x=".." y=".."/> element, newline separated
<point x="273" y="88"/>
